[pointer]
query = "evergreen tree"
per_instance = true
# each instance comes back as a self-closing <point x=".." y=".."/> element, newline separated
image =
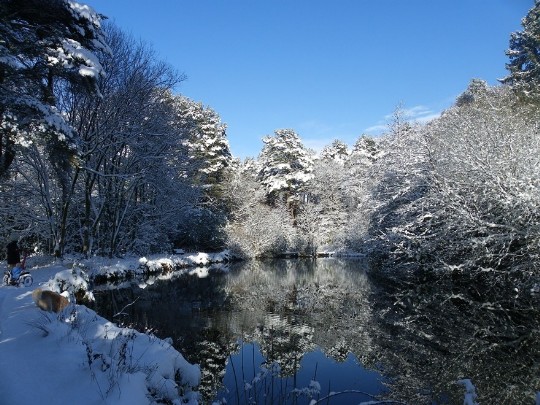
<point x="45" y="45"/>
<point x="208" y="168"/>
<point x="364" y="151"/>
<point x="207" y="144"/>
<point x="285" y="167"/>
<point x="363" y="155"/>
<point x="337" y="151"/>
<point x="524" y="51"/>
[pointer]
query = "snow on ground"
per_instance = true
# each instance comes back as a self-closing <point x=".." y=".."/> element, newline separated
<point x="79" y="357"/>
<point x="109" y="269"/>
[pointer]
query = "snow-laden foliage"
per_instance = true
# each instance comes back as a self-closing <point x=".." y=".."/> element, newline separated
<point x="74" y="282"/>
<point x="454" y="227"/>
<point x="337" y="151"/>
<point x="322" y="196"/>
<point x="485" y="154"/>
<point x="206" y="141"/>
<point x="323" y="216"/>
<point x="132" y="187"/>
<point x="524" y="52"/>
<point x="208" y="167"/>
<point x="255" y="229"/>
<point x="129" y="145"/>
<point x="464" y="192"/>
<point x="357" y="183"/>
<point x="285" y="166"/>
<point x="46" y="45"/>
<point x="398" y="181"/>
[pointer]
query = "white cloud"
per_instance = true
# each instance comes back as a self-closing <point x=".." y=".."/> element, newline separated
<point x="426" y="118"/>
<point x="418" y="114"/>
<point x="414" y="114"/>
<point x="376" y="129"/>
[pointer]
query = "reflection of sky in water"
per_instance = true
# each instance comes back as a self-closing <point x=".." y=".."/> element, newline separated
<point x="248" y="380"/>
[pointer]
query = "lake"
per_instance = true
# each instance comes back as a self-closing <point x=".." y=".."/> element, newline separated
<point x="275" y="332"/>
<point x="293" y="331"/>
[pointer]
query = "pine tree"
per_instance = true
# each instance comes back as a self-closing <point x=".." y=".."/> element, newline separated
<point x="365" y="150"/>
<point x="207" y="144"/>
<point x="208" y="169"/>
<point x="363" y="155"/>
<point x="524" y="51"/>
<point x="337" y="151"/>
<point x="285" y="167"/>
<point x="45" y="44"/>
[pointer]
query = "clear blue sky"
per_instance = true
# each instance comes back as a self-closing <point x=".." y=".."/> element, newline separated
<point x="328" y="69"/>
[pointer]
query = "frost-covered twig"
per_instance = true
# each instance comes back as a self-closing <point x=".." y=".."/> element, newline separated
<point x="126" y="306"/>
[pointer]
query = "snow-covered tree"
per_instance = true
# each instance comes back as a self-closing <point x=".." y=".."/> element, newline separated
<point x="127" y="191"/>
<point x="337" y="151"/>
<point x="132" y="152"/>
<point x="363" y="155"/>
<point x="396" y="184"/>
<point x="206" y="142"/>
<point x="254" y="229"/>
<point x="524" y="51"/>
<point x="286" y="167"/>
<point x="323" y="214"/>
<point x="461" y="193"/>
<point x="46" y="45"/>
<point x="208" y="167"/>
<point x="484" y="155"/>
<point x="364" y="152"/>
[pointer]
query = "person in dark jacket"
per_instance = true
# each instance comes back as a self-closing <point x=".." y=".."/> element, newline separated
<point x="13" y="254"/>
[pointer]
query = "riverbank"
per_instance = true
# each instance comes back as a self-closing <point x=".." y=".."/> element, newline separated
<point x="104" y="269"/>
<point x="78" y="356"/>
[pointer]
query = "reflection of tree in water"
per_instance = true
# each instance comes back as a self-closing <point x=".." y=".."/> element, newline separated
<point x="295" y="305"/>
<point x="434" y="331"/>
<point x="187" y="309"/>
<point x="288" y="307"/>
<point x="283" y="342"/>
<point x="213" y="351"/>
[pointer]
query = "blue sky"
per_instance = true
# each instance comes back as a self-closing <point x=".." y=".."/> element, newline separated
<point x="328" y="69"/>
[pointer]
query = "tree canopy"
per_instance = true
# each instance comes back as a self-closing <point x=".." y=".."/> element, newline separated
<point x="45" y="45"/>
<point x="524" y="51"/>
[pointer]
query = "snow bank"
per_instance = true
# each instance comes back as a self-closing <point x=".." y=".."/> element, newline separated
<point x="119" y="358"/>
<point x="136" y="267"/>
<point x="79" y="357"/>
<point x="115" y="355"/>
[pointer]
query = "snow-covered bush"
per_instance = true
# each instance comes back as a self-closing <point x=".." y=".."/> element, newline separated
<point x="484" y="155"/>
<point x="463" y="192"/>
<point x="264" y="231"/>
<point x="254" y="228"/>
<point x="74" y="281"/>
<point x="455" y="225"/>
<point x="398" y="183"/>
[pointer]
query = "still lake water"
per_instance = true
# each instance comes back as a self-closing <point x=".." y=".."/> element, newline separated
<point x="277" y="332"/>
<point x="290" y="331"/>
